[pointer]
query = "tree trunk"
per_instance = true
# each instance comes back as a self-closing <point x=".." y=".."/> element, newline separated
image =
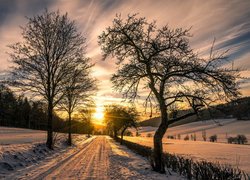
<point x="115" y="133"/>
<point x="49" y="142"/>
<point x="122" y="135"/>
<point x="29" y="123"/>
<point x="158" y="164"/>
<point x="69" y="130"/>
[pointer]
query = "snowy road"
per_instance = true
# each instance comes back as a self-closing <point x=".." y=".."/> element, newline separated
<point x="91" y="162"/>
<point x="98" y="158"/>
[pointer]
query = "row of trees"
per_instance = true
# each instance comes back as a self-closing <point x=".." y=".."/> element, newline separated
<point x="18" y="111"/>
<point x="50" y="63"/>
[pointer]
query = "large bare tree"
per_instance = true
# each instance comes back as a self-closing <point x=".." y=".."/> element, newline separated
<point x="162" y="61"/>
<point x="46" y="58"/>
<point x="78" y="91"/>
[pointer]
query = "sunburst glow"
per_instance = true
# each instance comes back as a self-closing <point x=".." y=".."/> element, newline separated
<point x="99" y="113"/>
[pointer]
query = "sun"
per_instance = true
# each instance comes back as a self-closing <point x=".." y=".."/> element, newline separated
<point x="99" y="115"/>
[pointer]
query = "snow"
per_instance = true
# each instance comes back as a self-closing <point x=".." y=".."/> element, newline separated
<point x="223" y="128"/>
<point x="26" y="149"/>
<point x="20" y="136"/>
<point x="233" y="154"/>
<point x="127" y="165"/>
<point x="25" y="156"/>
<point x="98" y="157"/>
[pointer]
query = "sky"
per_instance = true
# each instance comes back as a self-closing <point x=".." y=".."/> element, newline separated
<point x="227" y="21"/>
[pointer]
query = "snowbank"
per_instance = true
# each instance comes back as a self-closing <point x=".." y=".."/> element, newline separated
<point x="125" y="164"/>
<point x="28" y="149"/>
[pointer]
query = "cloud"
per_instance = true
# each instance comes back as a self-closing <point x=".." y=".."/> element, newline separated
<point x="227" y="21"/>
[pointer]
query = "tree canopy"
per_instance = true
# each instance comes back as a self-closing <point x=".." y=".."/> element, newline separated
<point x="119" y="118"/>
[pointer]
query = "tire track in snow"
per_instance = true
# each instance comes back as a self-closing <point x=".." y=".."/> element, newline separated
<point x="91" y="162"/>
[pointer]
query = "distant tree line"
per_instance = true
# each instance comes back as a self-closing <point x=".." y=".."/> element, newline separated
<point x="18" y="111"/>
<point x="239" y="108"/>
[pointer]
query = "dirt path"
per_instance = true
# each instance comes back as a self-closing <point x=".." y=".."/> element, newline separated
<point x="91" y="162"/>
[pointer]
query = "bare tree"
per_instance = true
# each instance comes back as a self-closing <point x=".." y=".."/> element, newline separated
<point x="119" y="118"/>
<point x="45" y="60"/>
<point x="162" y="61"/>
<point x="112" y="119"/>
<point x="129" y="120"/>
<point x="79" y="90"/>
<point x="86" y="115"/>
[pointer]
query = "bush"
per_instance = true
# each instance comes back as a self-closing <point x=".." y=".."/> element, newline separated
<point x="186" y="138"/>
<point x="213" y="138"/>
<point x="128" y="133"/>
<point x="179" y="136"/>
<point x="190" y="168"/>
<point x="170" y="137"/>
<point x="144" y="151"/>
<point x="137" y="134"/>
<point x="204" y="135"/>
<point x="191" y="137"/>
<point x="149" y="135"/>
<point x="231" y="140"/>
<point x="239" y="139"/>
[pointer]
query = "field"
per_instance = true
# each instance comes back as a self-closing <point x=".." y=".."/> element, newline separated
<point x="223" y="128"/>
<point x="20" y="136"/>
<point x="233" y="154"/>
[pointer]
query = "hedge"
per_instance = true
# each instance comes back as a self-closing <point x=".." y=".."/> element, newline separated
<point x="201" y="170"/>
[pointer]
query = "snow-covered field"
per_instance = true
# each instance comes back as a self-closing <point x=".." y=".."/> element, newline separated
<point x="223" y="128"/>
<point x="98" y="157"/>
<point x="20" y="136"/>
<point x="24" y="148"/>
<point x="233" y="154"/>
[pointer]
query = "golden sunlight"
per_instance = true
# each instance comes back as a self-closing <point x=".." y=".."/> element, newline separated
<point x="99" y="114"/>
